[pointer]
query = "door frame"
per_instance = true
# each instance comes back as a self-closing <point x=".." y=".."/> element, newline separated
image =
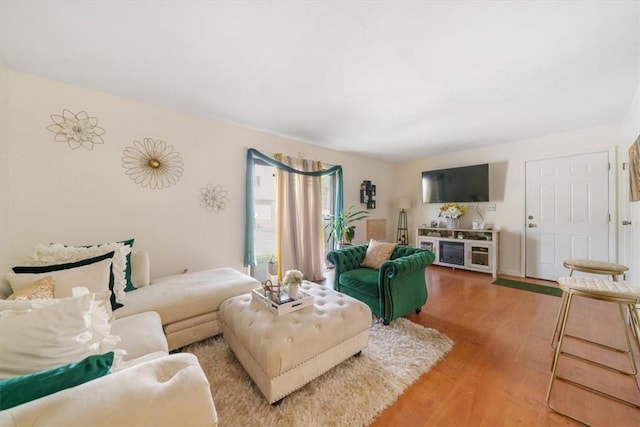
<point x="614" y="222"/>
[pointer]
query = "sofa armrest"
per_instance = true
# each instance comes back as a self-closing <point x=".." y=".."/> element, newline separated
<point x="140" y="275"/>
<point x="345" y="259"/>
<point x="406" y="264"/>
<point x="169" y="391"/>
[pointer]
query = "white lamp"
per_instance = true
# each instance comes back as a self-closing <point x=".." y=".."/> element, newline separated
<point x="402" y="236"/>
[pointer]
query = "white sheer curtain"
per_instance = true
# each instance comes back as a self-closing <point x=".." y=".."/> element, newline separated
<point x="300" y="241"/>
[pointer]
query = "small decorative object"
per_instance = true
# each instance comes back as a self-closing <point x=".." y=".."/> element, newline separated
<point x="476" y="225"/>
<point x="153" y="164"/>
<point x="273" y="266"/>
<point x="213" y="199"/>
<point x="293" y="279"/>
<point x="461" y="235"/>
<point x="271" y="291"/>
<point x="77" y="130"/>
<point x="451" y="212"/>
<point x="284" y="306"/>
<point x="434" y="223"/>
<point x="367" y="191"/>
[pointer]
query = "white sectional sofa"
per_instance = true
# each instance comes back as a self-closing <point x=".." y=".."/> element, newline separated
<point x="151" y="387"/>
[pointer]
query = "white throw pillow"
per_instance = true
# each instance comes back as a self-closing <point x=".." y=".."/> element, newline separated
<point x="57" y="253"/>
<point x="95" y="277"/>
<point x="43" y="334"/>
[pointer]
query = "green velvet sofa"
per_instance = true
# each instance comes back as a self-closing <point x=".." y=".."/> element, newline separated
<point x="397" y="288"/>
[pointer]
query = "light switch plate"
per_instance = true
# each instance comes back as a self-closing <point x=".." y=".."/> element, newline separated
<point x="491" y="207"/>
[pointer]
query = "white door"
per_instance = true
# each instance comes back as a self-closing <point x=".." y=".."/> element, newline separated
<point x="567" y="212"/>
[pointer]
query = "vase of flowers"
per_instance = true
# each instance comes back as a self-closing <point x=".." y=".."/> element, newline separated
<point x="452" y="212"/>
<point x="293" y="279"/>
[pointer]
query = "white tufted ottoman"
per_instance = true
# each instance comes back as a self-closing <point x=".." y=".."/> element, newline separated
<point x="283" y="353"/>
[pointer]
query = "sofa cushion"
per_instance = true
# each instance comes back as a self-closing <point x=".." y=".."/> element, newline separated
<point x="93" y="273"/>
<point x="364" y="280"/>
<point x="40" y="289"/>
<point x="182" y="296"/>
<point x="25" y="388"/>
<point x="140" y="334"/>
<point x="129" y="286"/>
<point x="377" y="253"/>
<point x="44" y="334"/>
<point x="58" y="253"/>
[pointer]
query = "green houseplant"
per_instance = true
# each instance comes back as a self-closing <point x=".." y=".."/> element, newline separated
<point x="341" y="226"/>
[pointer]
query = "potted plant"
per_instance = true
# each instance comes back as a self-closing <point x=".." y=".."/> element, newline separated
<point x="341" y="226"/>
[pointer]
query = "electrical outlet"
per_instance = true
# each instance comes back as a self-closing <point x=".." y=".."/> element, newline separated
<point x="491" y="207"/>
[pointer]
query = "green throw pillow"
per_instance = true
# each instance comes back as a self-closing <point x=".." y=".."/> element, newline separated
<point x="25" y="388"/>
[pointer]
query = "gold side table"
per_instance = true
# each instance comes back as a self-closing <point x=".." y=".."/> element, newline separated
<point x="621" y="293"/>
<point x="595" y="267"/>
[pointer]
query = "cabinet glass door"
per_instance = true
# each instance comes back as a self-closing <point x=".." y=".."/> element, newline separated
<point x="427" y="244"/>
<point x="480" y="256"/>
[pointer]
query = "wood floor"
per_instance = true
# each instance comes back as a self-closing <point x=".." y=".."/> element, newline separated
<point x="497" y="373"/>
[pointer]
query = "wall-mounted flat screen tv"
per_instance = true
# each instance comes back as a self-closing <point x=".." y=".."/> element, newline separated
<point x="463" y="184"/>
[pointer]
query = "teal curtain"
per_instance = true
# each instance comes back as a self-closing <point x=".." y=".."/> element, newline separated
<point x="252" y="154"/>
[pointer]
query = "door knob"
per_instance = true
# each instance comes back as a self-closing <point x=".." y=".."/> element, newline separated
<point x="530" y="217"/>
<point x="531" y="225"/>
<point x="626" y="222"/>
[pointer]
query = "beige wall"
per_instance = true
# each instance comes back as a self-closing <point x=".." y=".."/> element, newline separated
<point x="51" y="193"/>
<point x="507" y="171"/>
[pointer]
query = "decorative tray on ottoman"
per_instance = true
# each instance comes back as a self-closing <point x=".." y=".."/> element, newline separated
<point x="285" y="304"/>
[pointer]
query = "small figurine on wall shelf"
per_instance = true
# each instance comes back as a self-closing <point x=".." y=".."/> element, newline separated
<point x="367" y="191"/>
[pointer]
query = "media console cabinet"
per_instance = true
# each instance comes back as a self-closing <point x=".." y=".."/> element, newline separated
<point x="475" y="250"/>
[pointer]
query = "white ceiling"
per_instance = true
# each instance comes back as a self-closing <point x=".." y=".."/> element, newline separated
<point x="387" y="79"/>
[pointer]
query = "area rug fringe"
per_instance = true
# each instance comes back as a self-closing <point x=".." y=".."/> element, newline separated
<point x="352" y="394"/>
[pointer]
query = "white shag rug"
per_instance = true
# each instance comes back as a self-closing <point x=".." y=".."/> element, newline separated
<point x="353" y="393"/>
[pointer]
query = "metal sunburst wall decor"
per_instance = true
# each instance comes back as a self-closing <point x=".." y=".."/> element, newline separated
<point x="213" y="199"/>
<point x="77" y="130"/>
<point x="153" y="164"/>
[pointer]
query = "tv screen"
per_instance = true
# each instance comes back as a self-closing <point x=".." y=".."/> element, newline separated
<point x="463" y="184"/>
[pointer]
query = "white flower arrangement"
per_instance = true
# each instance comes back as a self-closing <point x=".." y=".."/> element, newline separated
<point x="292" y="276"/>
<point x="452" y="210"/>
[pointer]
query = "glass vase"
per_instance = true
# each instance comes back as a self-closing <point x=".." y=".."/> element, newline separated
<point x="452" y="222"/>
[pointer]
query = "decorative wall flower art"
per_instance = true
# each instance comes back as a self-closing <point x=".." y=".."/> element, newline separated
<point x="153" y="164"/>
<point x="213" y="199"/>
<point x="77" y="130"/>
